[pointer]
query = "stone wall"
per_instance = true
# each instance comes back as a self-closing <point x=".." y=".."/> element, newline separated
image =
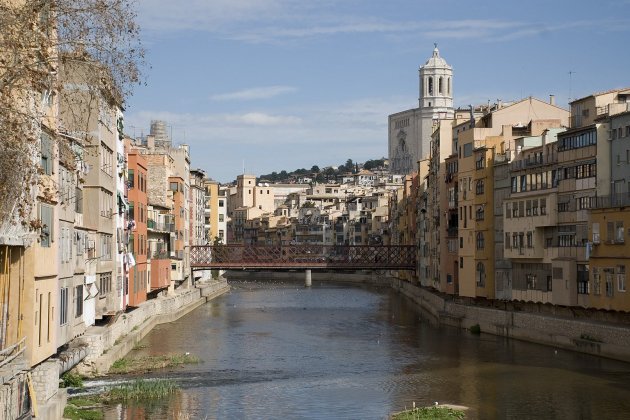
<point x="592" y="337"/>
<point x="14" y="399"/>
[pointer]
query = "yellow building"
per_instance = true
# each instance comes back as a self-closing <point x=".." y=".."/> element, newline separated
<point x="610" y="258"/>
<point x="476" y="144"/>
<point x="211" y="213"/>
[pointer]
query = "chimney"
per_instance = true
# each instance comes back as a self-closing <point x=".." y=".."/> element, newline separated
<point x="552" y="99"/>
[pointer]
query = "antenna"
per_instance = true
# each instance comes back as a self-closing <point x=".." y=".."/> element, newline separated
<point x="571" y="73"/>
<point x="243" y="166"/>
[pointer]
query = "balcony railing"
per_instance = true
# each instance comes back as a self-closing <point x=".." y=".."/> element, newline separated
<point x="613" y="200"/>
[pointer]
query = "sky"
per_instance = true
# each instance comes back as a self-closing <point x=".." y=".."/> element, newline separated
<point x="266" y="85"/>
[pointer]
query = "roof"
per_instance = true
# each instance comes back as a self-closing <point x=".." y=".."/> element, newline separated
<point x="622" y="91"/>
<point x="436" y="60"/>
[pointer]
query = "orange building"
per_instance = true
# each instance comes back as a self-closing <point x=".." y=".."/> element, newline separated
<point x="138" y="236"/>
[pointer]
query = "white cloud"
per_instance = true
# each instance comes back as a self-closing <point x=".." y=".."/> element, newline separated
<point x="253" y="93"/>
<point x="262" y="119"/>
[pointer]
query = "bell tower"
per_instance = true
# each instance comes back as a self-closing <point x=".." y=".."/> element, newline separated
<point x="436" y="86"/>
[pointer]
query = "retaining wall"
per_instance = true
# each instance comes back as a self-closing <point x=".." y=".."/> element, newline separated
<point x="592" y="337"/>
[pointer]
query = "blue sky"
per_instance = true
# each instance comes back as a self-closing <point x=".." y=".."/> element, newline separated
<point x="286" y="84"/>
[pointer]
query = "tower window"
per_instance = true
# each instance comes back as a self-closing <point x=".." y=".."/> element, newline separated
<point x="440" y="86"/>
<point x="448" y="86"/>
<point x="430" y="86"/>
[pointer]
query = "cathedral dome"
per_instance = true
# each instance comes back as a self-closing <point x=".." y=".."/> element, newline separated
<point x="436" y="60"/>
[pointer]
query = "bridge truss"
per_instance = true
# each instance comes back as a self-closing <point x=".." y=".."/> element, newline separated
<point x="334" y="257"/>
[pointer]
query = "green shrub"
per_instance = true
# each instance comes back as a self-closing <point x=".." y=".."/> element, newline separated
<point x="71" y="380"/>
<point x="141" y="390"/>
<point x="430" y="413"/>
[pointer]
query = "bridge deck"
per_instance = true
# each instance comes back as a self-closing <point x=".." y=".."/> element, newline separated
<point x="346" y="257"/>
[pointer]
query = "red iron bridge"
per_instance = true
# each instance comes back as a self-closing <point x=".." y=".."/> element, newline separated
<point x="287" y="257"/>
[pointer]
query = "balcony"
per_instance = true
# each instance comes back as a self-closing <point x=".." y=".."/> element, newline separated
<point x="613" y="200"/>
<point x="160" y="226"/>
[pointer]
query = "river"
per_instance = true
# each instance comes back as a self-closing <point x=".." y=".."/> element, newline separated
<point x="277" y="350"/>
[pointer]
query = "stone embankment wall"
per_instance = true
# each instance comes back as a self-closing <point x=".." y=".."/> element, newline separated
<point x="592" y="337"/>
<point x="591" y="332"/>
<point x="106" y="344"/>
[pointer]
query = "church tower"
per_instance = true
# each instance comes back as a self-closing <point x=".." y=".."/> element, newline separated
<point x="410" y="131"/>
<point x="436" y="86"/>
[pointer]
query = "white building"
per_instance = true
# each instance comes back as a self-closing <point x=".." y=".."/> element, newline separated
<point x="410" y="131"/>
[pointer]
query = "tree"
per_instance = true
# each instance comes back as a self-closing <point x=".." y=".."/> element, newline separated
<point x="38" y="37"/>
<point x="315" y="169"/>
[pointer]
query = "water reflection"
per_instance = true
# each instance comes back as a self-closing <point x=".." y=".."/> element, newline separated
<point x="278" y="350"/>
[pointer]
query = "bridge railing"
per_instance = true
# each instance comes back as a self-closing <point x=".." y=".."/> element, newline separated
<point x="355" y="257"/>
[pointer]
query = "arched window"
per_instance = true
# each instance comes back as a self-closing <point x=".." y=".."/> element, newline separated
<point x="430" y="88"/>
<point x="448" y="86"/>
<point x="481" y="275"/>
<point x="440" y="86"/>
<point x="480" y="243"/>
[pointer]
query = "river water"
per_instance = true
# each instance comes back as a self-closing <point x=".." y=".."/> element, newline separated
<point x="274" y="350"/>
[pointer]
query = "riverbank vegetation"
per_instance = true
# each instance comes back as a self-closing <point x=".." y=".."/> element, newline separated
<point x="430" y="413"/>
<point x="144" y="364"/>
<point x="91" y="407"/>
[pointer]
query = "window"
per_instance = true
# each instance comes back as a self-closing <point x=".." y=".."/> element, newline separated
<point x="597" y="287"/>
<point x="530" y="243"/>
<point x="106" y="203"/>
<point x="430" y="86"/>
<point x="480" y="160"/>
<point x="514" y="184"/>
<point x="480" y="213"/>
<point x="105" y="282"/>
<point x="78" y="200"/>
<point x="621" y="278"/>
<point x="481" y="275"/>
<point x="596" y="233"/>
<point x="221" y="218"/>
<point x="78" y="297"/>
<point x="106" y="246"/>
<point x="582" y="279"/>
<point x="609" y="282"/>
<point x="440" y="87"/>
<point x="480" y="241"/>
<point x="107" y="160"/>
<point x="46" y="151"/>
<point x="508" y="209"/>
<point x="130" y="178"/>
<point x="47" y="223"/>
<point x="63" y="306"/>
<point x="619" y="232"/>
<point x="531" y="281"/>
<point x="585" y="203"/>
<point x="479" y="187"/>
<point x="507" y="240"/>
